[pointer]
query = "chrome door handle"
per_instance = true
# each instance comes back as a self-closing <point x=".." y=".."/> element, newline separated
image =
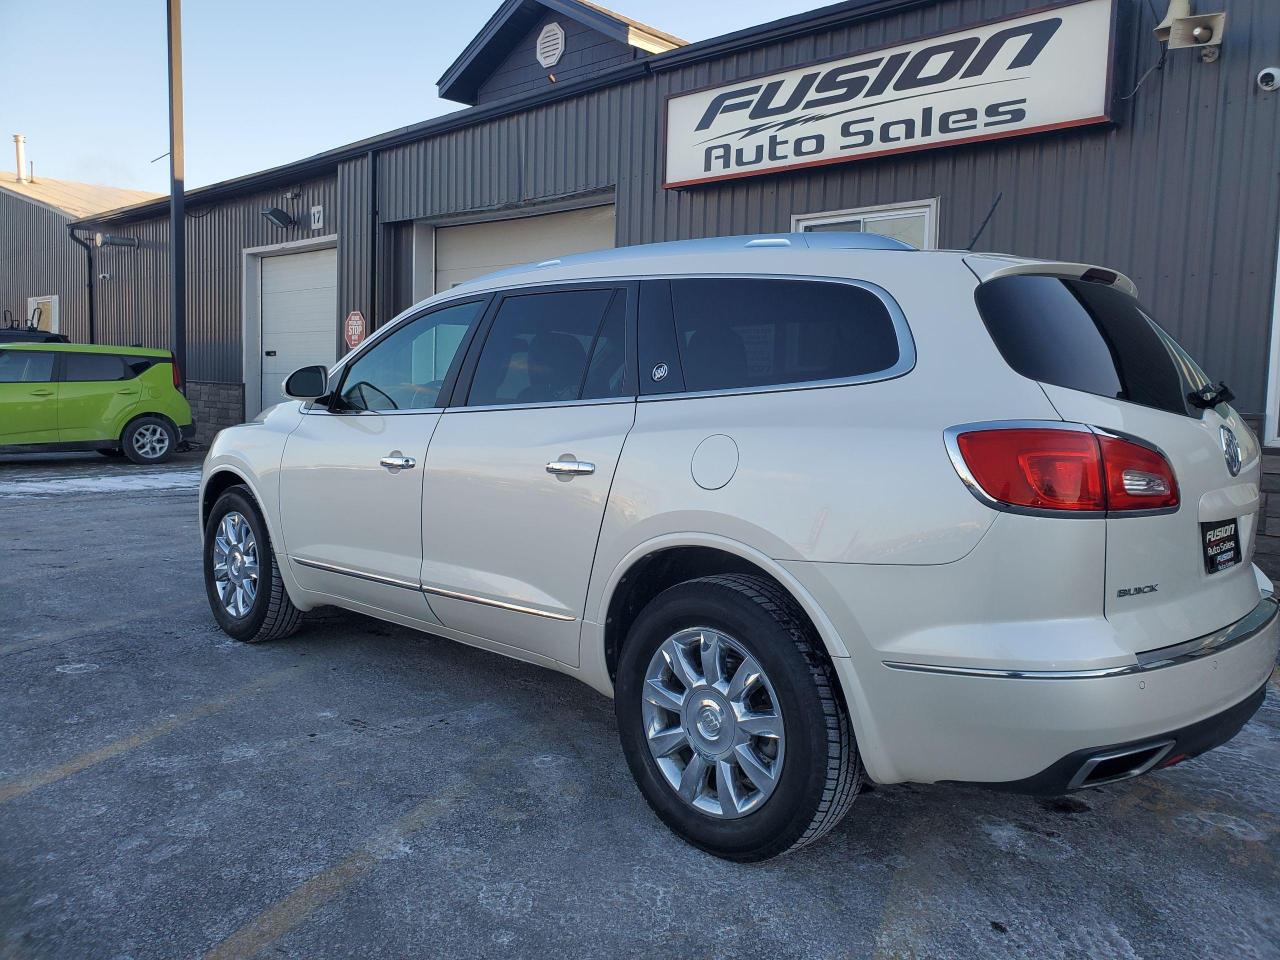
<point x="398" y="463"/>
<point x="570" y="468"/>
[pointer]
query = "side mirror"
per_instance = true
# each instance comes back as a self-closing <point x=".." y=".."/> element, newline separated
<point x="309" y="383"/>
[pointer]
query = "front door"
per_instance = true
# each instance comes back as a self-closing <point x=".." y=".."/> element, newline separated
<point x="28" y="397"/>
<point x="351" y="478"/>
<point x="518" y="476"/>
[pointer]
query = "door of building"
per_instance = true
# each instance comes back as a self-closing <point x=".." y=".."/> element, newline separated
<point x="298" y="306"/>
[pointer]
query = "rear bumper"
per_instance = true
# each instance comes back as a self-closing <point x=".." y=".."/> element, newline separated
<point x="1033" y="730"/>
<point x="1095" y="766"/>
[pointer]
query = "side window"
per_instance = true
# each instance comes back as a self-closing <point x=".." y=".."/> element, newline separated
<point x="93" y="367"/>
<point x="406" y="370"/>
<point x="25" y="366"/>
<point x="537" y="350"/>
<point x="743" y="333"/>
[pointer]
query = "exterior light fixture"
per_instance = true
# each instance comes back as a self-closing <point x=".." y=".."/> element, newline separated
<point x="110" y="240"/>
<point x="279" y="217"/>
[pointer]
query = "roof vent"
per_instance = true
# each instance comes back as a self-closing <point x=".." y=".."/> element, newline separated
<point x="550" y="45"/>
<point x="548" y="263"/>
<point x="769" y="242"/>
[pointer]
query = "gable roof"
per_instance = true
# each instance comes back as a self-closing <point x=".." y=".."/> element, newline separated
<point x="515" y="18"/>
<point x="69" y="198"/>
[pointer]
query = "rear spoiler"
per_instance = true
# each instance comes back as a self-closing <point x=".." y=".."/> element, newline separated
<point x="989" y="266"/>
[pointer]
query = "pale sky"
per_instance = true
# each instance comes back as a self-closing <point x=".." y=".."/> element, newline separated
<point x="267" y="81"/>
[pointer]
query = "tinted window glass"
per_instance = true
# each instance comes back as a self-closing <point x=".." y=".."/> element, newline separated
<point x="22" y="366"/>
<point x="736" y="333"/>
<point x="139" y="365"/>
<point x="1088" y="336"/>
<point x="88" y="367"/>
<point x="606" y="373"/>
<point x="537" y="348"/>
<point x="407" y="368"/>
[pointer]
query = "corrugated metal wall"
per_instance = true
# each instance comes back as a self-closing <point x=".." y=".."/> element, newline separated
<point x="1182" y="195"/>
<point x="133" y="304"/>
<point x="38" y="259"/>
<point x="353" y="238"/>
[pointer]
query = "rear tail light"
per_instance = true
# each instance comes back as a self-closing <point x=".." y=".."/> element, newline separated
<point x="1071" y="470"/>
<point x="1138" y="478"/>
<point x="177" y="373"/>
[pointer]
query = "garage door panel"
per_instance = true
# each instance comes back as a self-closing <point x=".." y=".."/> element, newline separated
<point x="299" y="307"/>
<point x="299" y="271"/>
<point x="472" y="250"/>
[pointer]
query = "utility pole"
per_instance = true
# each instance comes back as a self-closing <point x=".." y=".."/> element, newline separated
<point x="177" y="199"/>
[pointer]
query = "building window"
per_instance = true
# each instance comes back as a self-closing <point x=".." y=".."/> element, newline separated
<point x="42" y="312"/>
<point x="914" y="223"/>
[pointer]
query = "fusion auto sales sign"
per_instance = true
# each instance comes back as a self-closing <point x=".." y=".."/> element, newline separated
<point x="1043" y="71"/>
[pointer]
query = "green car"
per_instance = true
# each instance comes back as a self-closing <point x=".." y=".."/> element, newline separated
<point x="72" y="396"/>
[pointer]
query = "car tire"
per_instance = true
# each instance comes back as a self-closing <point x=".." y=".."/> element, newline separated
<point x="234" y="534"/>
<point x="820" y="771"/>
<point x="149" y="439"/>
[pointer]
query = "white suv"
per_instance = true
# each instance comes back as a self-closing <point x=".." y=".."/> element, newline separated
<point x="807" y="506"/>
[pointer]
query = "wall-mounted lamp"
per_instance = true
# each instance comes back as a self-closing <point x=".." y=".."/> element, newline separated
<point x="110" y="240"/>
<point x="279" y="217"/>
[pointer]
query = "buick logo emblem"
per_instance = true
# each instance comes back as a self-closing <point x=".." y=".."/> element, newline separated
<point x="1231" y="451"/>
<point x="660" y="373"/>
<point x="709" y="721"/>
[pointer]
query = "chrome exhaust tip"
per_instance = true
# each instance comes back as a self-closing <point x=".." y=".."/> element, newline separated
<point x="1112" y="766"/>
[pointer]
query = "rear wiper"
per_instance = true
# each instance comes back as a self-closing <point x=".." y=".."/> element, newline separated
<point x="1210" y="396"/>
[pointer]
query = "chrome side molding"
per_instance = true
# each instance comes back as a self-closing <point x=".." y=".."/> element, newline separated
<point x="434" y="591"/>
<point x="1246" y="628"/>
<point x="357" y="574"/>
<point x="500" y="604"/>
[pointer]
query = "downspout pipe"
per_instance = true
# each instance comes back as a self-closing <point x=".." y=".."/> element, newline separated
<point x="372" y="320"/>
<point x="88" y="262"/>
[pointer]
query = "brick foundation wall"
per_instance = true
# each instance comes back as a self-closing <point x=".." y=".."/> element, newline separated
<point x="1267" y="551"/>
<point x="215" y="405"/>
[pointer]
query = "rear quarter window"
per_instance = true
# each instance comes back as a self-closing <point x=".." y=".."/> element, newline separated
<point x="1088" y="336"/>
<point x="735" y="333"/>
<point x="93" y="367"/>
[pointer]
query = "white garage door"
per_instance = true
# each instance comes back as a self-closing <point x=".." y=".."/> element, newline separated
<point x="299" y="310"/>
<point x="478" y="248"/>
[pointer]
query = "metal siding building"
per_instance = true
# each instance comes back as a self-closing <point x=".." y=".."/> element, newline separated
<point x="1180" y="191"/>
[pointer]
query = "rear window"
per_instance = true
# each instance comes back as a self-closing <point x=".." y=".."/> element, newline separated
<point x="1088" y="336"/>
<point x="743" y="333"/>
<point x="94" y="367"/>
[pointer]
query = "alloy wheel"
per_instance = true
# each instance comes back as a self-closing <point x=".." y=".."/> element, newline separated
<point x="151" y="441"/>
<point x="713" y="723"/>
<point x="235" y="564"/>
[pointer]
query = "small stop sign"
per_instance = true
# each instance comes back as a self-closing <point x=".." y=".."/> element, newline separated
<point x="354" y="329"/>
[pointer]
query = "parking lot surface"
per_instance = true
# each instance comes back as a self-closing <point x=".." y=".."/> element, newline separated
<point x="360" y="790"/>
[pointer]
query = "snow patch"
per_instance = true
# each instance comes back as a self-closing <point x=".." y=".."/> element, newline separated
<point x="113" y="483"/>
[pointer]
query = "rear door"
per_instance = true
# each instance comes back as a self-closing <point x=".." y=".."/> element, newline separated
<point x="518" y="474"/>
<point x="1103" y="360"/>
<point x="28" y="397"/>
<point x="96" y="394"/>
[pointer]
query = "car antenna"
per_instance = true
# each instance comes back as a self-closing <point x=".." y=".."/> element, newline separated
<point x="994" y="203"/>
